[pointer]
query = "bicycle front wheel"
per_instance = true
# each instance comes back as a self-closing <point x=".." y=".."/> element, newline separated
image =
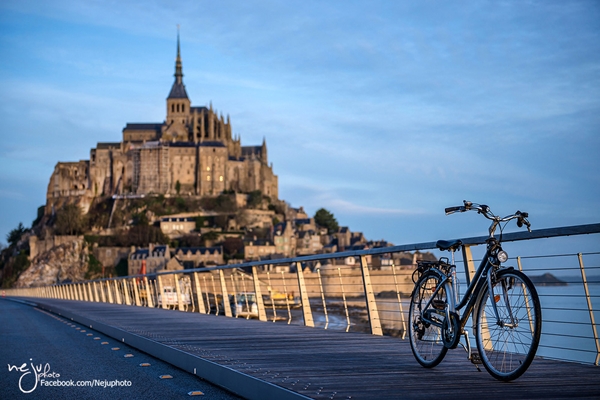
<point x="508" y="344"/>
<point x="426" y="340"/>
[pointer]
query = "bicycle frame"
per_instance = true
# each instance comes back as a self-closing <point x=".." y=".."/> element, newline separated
<point x="471" y="295"/>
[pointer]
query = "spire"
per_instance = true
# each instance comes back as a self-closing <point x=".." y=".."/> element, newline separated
<point x="178" y="88"/>
<point x="178" y="66"/>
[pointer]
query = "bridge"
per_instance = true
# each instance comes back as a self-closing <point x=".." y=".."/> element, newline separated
<point x="333" y="326"/>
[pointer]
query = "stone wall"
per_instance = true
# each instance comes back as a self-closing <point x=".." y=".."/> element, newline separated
<point x="37" y="246"/>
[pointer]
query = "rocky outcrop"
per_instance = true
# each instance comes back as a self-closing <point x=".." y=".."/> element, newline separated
<point x="65" y="262"/>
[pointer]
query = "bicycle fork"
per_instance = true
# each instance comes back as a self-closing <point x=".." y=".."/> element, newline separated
<point x="513" y="322"/>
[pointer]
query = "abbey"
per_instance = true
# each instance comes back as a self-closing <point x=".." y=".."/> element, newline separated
<point x="193" y="152"/>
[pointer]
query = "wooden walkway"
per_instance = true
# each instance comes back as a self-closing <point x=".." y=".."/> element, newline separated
<point x="316" y="363"/>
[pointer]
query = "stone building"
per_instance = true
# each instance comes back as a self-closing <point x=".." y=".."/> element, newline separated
<point x="192" y="152"/>
<point x="157" y="258"/>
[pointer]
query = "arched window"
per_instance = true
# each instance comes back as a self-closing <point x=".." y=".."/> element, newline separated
<point x="172" y="107"/>
<point x="177" y="107"/>
<point x="183" y="108"/>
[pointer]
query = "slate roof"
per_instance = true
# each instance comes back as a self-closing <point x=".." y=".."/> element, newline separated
<point x="212" y="144"/>
<point x="251" y="150"/>
<point x="108" y="145"/>
<point x="195" y="250"/>
<point x="178" y="91"/>
<point x="144" y="126"/>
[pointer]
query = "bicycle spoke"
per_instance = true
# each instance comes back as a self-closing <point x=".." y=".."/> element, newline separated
<point x="508" y="346"/>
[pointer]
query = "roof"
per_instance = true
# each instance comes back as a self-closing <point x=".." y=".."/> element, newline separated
<point x="178" y="219"/>
<point x="141" y="254"/>
<point x="144" y="126"/>
<point x="178" y="91"/>
<point x="108" y="145"/>
<point x="250" y="150"/>
<point x="196" y="250"/>
<point x="180" y="144"/>
<point x="212" y="144"/>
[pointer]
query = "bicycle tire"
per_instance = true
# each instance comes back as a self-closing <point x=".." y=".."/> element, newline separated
<point x="426" y="340"/>
<point x="507" y="351"/>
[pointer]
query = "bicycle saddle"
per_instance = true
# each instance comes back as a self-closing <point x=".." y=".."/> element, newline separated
<point x="451" y="245"/>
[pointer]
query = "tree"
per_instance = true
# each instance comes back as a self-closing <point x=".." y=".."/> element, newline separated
<point x="233" y="246"/>
<point x="69" y="220"/>
<point x="254" y="199"/>
<point x="14" y="236"/>
<point x="177" y="187"/>
<point x="199" y="223"/>
<point x="326" y="219"/>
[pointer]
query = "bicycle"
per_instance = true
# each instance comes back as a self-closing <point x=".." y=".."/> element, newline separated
<point x="503" y="302"/>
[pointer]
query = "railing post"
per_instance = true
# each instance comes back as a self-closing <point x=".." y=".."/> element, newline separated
<point x="117" y="292"/>
<point x="590" y="309"/>
<point x="96" y="296"/>
<point x="136" y="292"/>
<point x="109" y="292"/>
<point x="306" y="311"/>
<point x="226" y="303"/>
<point x="79" y="292"/>
<point x="91" y="294"/>
<point x="149" y="293"/>
<point x="84" y="290"/>
<point x="126" y="292"/>
<point x="399" y="301"/>
<point x="468" y="262"/>
<point x="262" y="315"/>
<point x="160" y="294"/>
<point x="526" y="297"/>
<point x="178" y="292"/>
<point x="372" y="312"/>
<point x="102" y="295"/>
<point x="200" y="300"/>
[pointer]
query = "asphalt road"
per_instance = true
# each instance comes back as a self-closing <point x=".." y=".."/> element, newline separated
<point x="67" y="353"/>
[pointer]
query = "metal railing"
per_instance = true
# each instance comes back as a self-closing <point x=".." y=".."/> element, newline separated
<point x="368" y="290"/>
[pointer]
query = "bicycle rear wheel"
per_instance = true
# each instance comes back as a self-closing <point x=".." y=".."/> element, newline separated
<point x="507" y="347"/>
<point x="426" y="340"/>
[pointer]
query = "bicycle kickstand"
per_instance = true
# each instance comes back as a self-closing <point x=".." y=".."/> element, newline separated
<point x="473" y="355"/>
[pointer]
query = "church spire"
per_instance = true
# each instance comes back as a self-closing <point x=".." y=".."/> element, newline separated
<point x="178" y="66"/>
<point x="178" y="89"/>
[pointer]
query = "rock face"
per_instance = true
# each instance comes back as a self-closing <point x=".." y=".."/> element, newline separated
<point x="66" y="262"/>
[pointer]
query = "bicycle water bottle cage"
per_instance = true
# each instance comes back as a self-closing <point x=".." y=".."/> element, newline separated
<point x="451" y="245"/>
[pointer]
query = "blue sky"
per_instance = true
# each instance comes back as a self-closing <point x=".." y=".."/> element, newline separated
<point x="382" y="112"/>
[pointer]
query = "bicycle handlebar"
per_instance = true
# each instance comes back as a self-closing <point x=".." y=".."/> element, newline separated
<point x="484" y="210"/>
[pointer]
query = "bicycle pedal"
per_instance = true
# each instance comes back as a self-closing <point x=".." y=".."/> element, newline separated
<point x="476" y="358"/>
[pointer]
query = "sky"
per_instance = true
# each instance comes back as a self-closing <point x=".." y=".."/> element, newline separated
<point x="382" y="112"/>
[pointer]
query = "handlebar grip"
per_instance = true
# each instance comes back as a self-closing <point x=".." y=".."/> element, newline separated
<point x="450" y="210"/>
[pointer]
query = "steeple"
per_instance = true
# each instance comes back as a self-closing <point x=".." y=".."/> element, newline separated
<point x="178" y="67"/>
<point x="178" y="88"/>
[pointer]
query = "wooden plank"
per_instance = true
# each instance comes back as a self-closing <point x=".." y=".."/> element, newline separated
<point x="326" y="364"/>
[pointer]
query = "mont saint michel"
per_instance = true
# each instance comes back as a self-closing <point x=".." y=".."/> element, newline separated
<point x="181" y="193"/>
<point x="193" y="152"/>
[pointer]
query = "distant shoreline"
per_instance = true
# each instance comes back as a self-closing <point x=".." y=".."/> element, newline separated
<point x="547" y="280"/>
